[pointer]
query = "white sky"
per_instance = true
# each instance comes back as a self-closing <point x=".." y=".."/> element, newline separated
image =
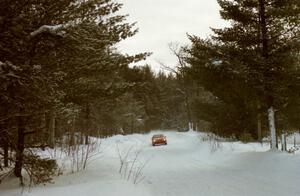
<point x="161" y="22"/>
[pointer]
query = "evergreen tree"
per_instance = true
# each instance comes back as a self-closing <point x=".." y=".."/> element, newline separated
<point x="54" y="54"/>
<point x="254" y="57"/>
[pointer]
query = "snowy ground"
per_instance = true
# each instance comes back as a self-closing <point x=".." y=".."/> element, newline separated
<point x="186" y="166"/>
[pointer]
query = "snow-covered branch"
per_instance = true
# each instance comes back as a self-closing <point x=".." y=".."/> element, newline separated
<point x="53" y="29"/>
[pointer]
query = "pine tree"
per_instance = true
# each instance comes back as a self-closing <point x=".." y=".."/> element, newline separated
<point x="255" y="52"/>
<point x="48" y="51"/>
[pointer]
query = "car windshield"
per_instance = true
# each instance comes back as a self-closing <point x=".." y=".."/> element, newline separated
<point x="157" y="136"/>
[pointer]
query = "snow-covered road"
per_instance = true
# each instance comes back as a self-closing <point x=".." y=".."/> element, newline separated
<point x="186" y="166"/>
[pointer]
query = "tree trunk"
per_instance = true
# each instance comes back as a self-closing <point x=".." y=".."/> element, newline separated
<point x="268" y="85"/>
<point x="272" y="128"/>
<point x="4" y="141"/>
<point x="188" y="110"/>
<point x="190" y="126"/>
<point x="283" y="142"/>
<point x="132" y="124"/>
<point x="259" y="129"/>
<point x="20" y="146"/>
<point x="43" y="134"/>
<point x="50" y="128"/>
<point x="87" y="123"/>
<point x="263" y="28"/>
<point x="56" y="129"/>
<point x="86" y="139"/>
<point x="5" y="156"/>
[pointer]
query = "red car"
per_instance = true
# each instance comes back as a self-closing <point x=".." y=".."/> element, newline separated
<point x="159" y="139"/>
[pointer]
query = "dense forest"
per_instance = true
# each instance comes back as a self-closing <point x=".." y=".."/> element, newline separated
<point x="61" y="75"/>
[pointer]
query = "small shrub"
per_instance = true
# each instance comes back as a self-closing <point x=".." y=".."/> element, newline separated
<point x="130" y="166"/>
<point x="39" y="170"/>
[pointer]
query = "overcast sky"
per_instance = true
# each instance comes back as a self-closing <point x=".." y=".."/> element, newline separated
<point x="161" y="22"/>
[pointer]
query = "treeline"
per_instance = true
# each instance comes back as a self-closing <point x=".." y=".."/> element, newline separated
<point x="252" y="69"/>
<point x="152" y="101"/>
<point x="59" y="68"/>
<point x="62" y="76"/>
